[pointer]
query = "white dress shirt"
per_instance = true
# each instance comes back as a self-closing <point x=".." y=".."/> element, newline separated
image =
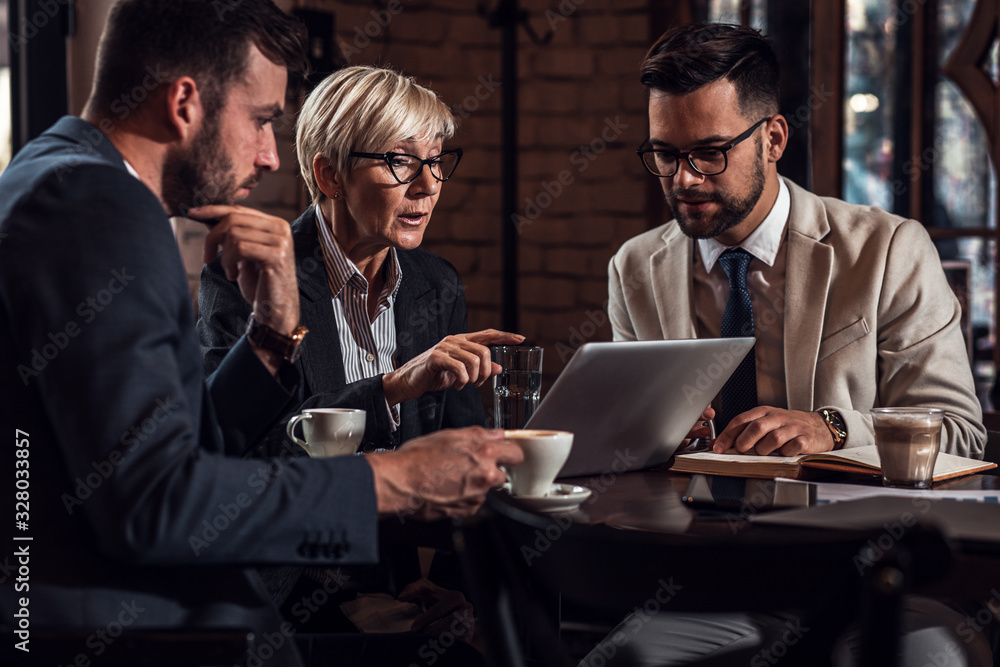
<point x="766" y="283"/>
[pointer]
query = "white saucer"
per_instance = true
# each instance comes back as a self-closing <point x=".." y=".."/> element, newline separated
<point x="561" y="498"/>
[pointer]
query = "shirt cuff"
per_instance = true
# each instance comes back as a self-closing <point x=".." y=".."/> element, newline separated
<point x="393" y="411"/>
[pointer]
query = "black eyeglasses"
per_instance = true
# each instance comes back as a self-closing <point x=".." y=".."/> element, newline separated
<point x="406" y="168"/>
<point x="706" y="161"/>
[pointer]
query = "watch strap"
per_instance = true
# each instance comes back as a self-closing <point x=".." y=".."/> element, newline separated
<point x="287" y="347"/>
<point x="838" y="428"/>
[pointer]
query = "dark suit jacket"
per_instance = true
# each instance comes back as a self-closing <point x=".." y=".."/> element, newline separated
<point x="430" y="305"/>
<point x="143" y="510"/>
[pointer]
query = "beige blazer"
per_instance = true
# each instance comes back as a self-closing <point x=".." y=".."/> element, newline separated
<point x="869" y="317"/>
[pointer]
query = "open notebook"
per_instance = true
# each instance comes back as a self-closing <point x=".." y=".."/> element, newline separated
<point x="852" y="459"/>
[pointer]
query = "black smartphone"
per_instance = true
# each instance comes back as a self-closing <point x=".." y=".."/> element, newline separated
<point x="715" y="493"/>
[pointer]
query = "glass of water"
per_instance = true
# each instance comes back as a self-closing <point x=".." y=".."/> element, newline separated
<point x="517" y="389"/>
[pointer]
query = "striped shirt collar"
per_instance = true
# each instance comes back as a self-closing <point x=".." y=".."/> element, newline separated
<point x="341" y="271"/>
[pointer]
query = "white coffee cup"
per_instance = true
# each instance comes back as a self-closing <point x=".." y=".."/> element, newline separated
<point x="328" y="431"/>
<point x="545" y="452"/>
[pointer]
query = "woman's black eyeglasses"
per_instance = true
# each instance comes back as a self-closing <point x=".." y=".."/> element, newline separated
<point x="406" y="168"/>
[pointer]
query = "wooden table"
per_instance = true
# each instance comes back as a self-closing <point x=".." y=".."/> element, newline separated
<point x="651" y="500"/>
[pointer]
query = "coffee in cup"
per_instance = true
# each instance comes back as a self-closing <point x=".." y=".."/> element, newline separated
<point x="328" y="431"/>
<point x="545" y="452"/>
<point x="908" y="441"/>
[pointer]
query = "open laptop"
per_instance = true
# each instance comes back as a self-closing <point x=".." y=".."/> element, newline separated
<point x="631" y="403"/>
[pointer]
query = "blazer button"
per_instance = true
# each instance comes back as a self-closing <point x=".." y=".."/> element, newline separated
<point x="368" y="447"/>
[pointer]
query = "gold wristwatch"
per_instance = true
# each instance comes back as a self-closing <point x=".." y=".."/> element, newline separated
<point x="838" y="429"/>
<point x="287" y="347"/>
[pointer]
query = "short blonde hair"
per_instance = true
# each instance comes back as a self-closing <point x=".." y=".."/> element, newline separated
<point x="363" y="108"/>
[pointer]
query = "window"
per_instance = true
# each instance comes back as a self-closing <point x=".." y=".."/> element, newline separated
<point x="914" y="145"/>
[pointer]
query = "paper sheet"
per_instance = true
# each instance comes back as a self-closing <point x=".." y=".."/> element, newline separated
<point x="829" y="492"/>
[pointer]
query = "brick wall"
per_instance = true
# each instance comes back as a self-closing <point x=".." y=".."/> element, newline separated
<point x="582" y="189"/>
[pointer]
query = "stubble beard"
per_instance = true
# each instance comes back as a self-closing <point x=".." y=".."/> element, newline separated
<point x="201" y="175"/>
<point x="731" y="211"/>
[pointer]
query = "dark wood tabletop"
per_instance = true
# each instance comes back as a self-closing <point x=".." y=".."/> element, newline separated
<point x="652" y="499"/>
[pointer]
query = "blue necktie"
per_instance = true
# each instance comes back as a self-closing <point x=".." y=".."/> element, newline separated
<point x="740" y="392"/>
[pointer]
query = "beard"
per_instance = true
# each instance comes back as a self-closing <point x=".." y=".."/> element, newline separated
<point x="732" y="209"/>
<point x="201" y="174"/>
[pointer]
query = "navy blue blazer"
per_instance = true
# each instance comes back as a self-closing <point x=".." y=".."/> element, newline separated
<point x="430" y="305"/>
<point x="142" y="504"/>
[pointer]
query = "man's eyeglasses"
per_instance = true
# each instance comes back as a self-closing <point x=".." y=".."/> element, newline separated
<point x="406" y="168"/>
<point x="706" y="161"/>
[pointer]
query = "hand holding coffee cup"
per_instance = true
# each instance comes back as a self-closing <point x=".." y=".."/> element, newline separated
<point x="328" y="431"/>
<point x="908" y="440"/>
<point x="545" y="452"/>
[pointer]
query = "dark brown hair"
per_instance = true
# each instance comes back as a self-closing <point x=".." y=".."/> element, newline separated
<point x="149" y="41"/>
<point x="691" y="56"/>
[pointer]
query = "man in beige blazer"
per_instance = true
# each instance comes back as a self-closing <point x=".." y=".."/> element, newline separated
<point x="851" y="310"/>
<point x="851" y="307"/>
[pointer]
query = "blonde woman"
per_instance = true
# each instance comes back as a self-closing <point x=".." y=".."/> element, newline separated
<point x="387" y="320"/>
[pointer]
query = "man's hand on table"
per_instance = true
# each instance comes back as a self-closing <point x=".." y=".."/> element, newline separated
<point x="453" y="363"/>
<point x="444" y="474"/>
<point x="766" y="430"/>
